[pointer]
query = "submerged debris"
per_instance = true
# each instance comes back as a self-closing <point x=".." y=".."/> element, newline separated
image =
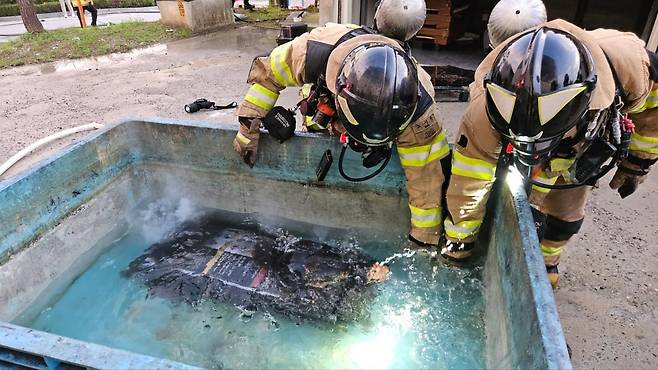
<point x="299" y="278"/>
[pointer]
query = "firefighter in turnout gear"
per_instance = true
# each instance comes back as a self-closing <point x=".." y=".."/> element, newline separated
<point x="373" y="91"/>
<point x="568" y="105"/>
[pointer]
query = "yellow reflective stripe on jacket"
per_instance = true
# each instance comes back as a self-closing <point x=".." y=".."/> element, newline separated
<point x="544" y="180"/>
<point x="471" y="167"/>
<point x="541" y="189"/>
<point x="305" y="91"/>
<point x="261" y="96"/>
<point x="550" y="251"/>
<point x="280" y="67"/>
<point x="650" y="103"/>
<point x="425" y="217"/>
<point x="560" y="164"/>
<point x="462" y="230"/>
<point x="243" y="139"/>
<point x="645" y="144"/>
<point x="308" y="121"/>
<point x="420" y="156"/>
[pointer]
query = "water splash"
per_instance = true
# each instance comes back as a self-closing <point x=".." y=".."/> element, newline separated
<point x="407" y="253"/>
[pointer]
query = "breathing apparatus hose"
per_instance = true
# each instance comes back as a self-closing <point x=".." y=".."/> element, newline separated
<point x="359" y="179"/>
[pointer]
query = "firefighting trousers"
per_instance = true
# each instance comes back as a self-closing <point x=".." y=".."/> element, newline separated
<point x="559" y="215"/>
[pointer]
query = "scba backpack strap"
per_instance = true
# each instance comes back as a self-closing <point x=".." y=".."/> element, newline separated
<point x="317" y="53"/>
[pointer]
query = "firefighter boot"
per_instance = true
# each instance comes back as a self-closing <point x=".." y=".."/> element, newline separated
<point x="553" y="275"/>
<point x="457" y="253"/>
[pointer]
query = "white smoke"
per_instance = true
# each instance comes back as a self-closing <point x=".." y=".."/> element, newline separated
<point x="160" y="218"/>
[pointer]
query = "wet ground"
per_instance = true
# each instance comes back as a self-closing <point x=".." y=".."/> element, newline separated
<point x="608" y="298"/>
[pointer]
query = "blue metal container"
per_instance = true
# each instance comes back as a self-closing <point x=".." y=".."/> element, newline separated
<point x="52" y="217"/>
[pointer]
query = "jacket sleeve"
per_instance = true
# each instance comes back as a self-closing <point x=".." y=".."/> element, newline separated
<point x="283" y="67"/>
<point x="644" y="142"/>
<point x="474" y="160"/>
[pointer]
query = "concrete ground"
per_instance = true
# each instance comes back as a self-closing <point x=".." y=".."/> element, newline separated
<point x="12" y="27"/>
<point x="608" y="298"/>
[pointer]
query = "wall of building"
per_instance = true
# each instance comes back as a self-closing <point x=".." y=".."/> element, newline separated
<point x="347" y="11"/>
<point x="637" y="16"/>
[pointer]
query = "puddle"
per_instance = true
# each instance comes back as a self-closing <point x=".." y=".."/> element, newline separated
<point x="105" y="60"/>
<point x="247" y="41"/>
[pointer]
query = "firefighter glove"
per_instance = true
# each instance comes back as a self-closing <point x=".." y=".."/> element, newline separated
<point x="630" y="174"/>
<point x="246" y="141"/>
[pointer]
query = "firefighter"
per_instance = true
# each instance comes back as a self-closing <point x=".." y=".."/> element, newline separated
<point x="510" y="17"/>
<point x="400" y="19"/>
<point x="379" y="94"/>
<point x="563" y="101"/>
<point x="87" y="5"/>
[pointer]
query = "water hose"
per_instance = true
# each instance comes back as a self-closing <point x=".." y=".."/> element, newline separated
<point x="23" y="153"/>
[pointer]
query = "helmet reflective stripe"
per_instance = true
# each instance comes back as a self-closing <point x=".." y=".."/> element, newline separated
<point x="345" y="107"/>
<point x="550" y="105"/>
<point x="503" y="99"/>
<point x="375" y="141"/>
<point x="404" y="125"/>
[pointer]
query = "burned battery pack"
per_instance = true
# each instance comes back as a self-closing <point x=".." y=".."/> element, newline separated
<point x="301" y="279"/>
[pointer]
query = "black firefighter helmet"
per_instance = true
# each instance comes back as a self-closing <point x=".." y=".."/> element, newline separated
<point x="376" y="93"/>
<point x="539" y="89"/>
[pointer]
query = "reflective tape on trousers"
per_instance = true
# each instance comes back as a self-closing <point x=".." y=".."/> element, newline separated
<point x="425" y="218"/>
<point x="420" y="156"/>
<point x="471" y="167"/>
<point x="550" y="251"/>
<point x="462" y="230"/>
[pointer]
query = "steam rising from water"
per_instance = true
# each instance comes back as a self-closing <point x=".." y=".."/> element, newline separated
<point x="161" y="217"/>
